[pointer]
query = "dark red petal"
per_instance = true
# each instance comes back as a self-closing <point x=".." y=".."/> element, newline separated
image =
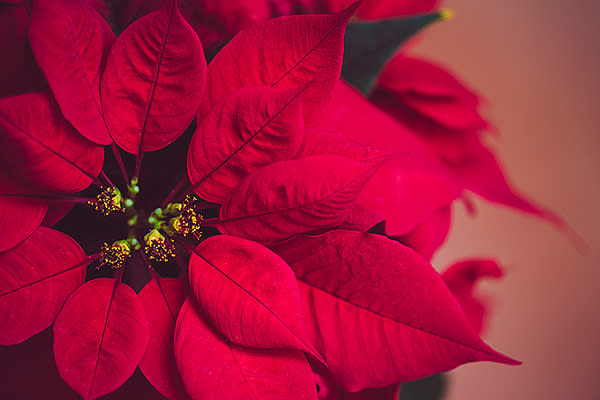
<point x="100" y="336"/>
<point x="378" y="312"/>
<point x="19" y="216"/>
<point x="462" y="277"/>
<point x="407" y="189"/>
<point x="41" y="147"/>
<point x="162" y="299"/>
<point x="153" y="83"/>
<point x="286" y="53"/>
<point x="291" y="197"/>
<point x="428" y="236"/>
<point x="37" y="276"/>
<point x="211" y="366"/>
<point x="71" y="41"/>
<point x="249" y="294"/>
<point x="248" y="129"/>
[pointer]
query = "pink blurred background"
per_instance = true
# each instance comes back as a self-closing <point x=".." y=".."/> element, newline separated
<point x="538" y="64"/>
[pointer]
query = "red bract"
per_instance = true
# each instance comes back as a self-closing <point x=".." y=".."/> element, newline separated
<point x="444" y="113"/>
<point x="70" y="42"/>
<point x="255" y="57"/>
<point x="387" y="303"/>
<point x="100" y="337"/>
<point x="209" y="364"/>
<point x="153" y="82"/>
<point x="37" y="277"/>
<point x="294" y="171"/>
<point x="42" y="148"/>
<point x="248" y="129"/>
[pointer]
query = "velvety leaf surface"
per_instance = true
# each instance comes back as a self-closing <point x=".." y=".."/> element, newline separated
<point x="330" y="390"/>
<point x="100" y="336"/>
<point x="428" y="236"/>
<point x="409" y="187"/>
<point x="249" y="294"/>
<point x="404" y="321"/>
<point x="36" y="277"/>
<point x="377" y="42"/>
<point x="212" y="368"/>
<point x="291" y="197"/>
<point x="286" y="53"/>
<point x="56" y="211"/>
<point x="319" y="141"/>
<point x="19" y="216"/>
<point x="153" y="83"/>
<point x="71" y="41"/>
<point x="162" y="298"/>
<point x="462" y="278"/>
<point x="248" y="129"/>
<point x="41" y="147"/>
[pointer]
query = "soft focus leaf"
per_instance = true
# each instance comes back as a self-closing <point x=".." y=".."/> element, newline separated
<point x="285" y="53"/>
<point x="42" y="148"/>
<point x="428" y="236"/>
<point x="211" y="366"/>
<point x="411" y="84"/>
<point x="100" y="336"/>
<point x="404" y="322"/>
<point x="248" y="129"/>
<point x="19" y="216"/>
<point x="409" y="187"/>
<point x="249" y="294"/>
<point x="153" y="83"/>
<point x="162" y="298"/>
<point x="377" y="42"/>
<point x="462" y="278"/>
<point x="291" y="197"/>
<point x="36" y="277"/>
<point x="71" y="41"/>
<point x="377" y="9"/>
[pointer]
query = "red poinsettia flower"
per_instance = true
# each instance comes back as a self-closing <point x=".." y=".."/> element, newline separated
<point x="253" y="271"/>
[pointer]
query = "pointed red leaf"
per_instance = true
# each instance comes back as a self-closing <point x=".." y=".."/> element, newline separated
<point x="100" y="336"/>
<point x="248" y="129"/>
<point x="71" y="41"/>
<point x="407" y="189"/>
<point x="19" y="216"/>
<point x="153" y="83"/>
<point x="402" y="320"/>
<point x="162" y="299"/>
<point x="42" y="148"/>
<point x="211" y="366"/>
<point x="319" y="141"/>
<point x="462" y="277"/>
<point x="36" y="277"/>
<point x="249" y="294"/>
<point x="291" y="197"/>
<point x="286" y="53"/>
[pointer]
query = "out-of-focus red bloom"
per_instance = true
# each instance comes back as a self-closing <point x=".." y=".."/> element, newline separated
<point x="184" y="286"/>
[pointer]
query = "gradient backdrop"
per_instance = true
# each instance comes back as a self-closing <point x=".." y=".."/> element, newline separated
<point x="538" y="64"/>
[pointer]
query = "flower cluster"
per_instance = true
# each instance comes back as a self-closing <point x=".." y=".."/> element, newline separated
<point x="269" y="231"/>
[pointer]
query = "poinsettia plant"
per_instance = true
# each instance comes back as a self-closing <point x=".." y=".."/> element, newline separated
<point x="251" y="227"/>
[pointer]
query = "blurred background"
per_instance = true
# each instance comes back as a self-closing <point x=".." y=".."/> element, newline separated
<point x="538" y="64"/>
